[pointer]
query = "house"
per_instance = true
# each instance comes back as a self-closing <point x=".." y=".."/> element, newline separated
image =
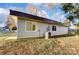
<point x="74" y="27"/>
<point x="29" y="26"/>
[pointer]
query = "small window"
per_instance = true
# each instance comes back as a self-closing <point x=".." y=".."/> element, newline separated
<point x="33" y="27"/>
<point x="53" y="28"/>
<point x="48" y="28"/>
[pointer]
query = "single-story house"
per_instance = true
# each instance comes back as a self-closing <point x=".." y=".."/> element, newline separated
<point x="74" y="27"/>
<point x="29" y="26"/>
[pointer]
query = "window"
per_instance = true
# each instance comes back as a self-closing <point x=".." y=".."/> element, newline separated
<point x="48" y="28"/>
<point x="30" y="26"/>
<point x="53" y="28"/>
<point x="33" y="27"/>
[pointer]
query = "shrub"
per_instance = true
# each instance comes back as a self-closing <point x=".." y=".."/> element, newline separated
<point x="14" y="28"/>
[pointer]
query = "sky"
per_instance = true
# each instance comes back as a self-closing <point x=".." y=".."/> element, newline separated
<point x="51" y="11"/>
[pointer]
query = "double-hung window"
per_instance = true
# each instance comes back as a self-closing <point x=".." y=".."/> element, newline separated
<point x="30" y="26"/>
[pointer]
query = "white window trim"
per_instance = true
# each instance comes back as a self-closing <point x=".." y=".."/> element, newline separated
<point x="30" y="30"/>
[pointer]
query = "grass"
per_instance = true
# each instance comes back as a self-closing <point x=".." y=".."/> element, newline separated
<point x="53" y="46"/>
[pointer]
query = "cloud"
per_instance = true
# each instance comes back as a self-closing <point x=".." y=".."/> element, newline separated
<point x="15" y="8"/>
<point x="2" y="25"/>
<point x="4" y="11"/>
<point x="36" y="11"/>
<point x="48" y="5"/>
<point x="59" y="17"/>
<point x="36" y="4"/>
<point x="44" y="13"/>
<point x="3" y="16"/>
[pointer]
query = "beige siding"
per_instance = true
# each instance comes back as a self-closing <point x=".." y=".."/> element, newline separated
<point x="40" y="31"/>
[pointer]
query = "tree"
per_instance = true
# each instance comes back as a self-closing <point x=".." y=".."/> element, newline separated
<point x="49" y="5"/>
<point x="14" y="28"/>
<point x="70" y="17"/>
<point x="36" y="11"/>
<point x="11" y="22"/>
<point x="69" y="8"/>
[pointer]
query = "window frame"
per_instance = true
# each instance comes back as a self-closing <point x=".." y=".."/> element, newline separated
<point x="32" y="23"/>
<point x="54" y="28"/>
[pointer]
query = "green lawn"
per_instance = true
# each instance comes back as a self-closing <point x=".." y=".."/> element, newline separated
<point x="53" y="46"/>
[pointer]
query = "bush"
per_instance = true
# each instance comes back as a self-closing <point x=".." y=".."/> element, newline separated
<point x="14" y="28"/>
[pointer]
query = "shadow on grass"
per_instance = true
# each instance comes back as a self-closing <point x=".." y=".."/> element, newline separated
<point x="57" y="36"/>
<point x="66" y="35"/>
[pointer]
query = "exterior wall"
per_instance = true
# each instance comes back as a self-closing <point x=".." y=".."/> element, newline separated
<point x="60" y="31"/>
<point x="22" y="33"/>
<point x="40" y="32"/>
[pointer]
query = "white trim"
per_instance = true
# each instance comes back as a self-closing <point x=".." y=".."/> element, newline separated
<point x="30" y="30"/>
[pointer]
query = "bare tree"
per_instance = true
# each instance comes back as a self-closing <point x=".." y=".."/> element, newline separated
<point x="36" y="11"/>
<point x="49" y="5"/>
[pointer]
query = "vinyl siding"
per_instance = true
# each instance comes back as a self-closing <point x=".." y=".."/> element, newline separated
<point x="40" y="30"/>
